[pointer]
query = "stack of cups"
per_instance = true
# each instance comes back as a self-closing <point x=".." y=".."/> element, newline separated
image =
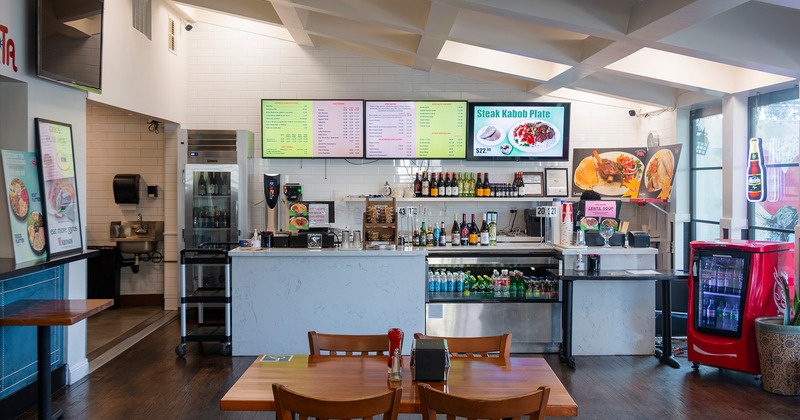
<point x="567" y="225"/>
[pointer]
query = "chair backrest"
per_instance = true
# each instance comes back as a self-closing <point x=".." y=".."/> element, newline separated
<point x="348" y="345"/>
<point x="435" y="402"/>
<point x="288" y="402"/>
<point x="476" y="346"/>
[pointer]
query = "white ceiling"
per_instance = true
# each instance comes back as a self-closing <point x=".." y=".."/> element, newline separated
<point x="661" y="53"/>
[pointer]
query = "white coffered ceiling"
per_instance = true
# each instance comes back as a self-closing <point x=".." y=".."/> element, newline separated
<point x="662" y="53"/>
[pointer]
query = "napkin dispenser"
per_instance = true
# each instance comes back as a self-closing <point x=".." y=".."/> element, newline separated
<point x="430" y="360"/>
<point x="639" y="239"/>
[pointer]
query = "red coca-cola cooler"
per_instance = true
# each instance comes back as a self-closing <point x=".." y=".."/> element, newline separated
<point x="732" y="283"/>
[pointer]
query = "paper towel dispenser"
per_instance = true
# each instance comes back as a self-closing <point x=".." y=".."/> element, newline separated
<point x="126" y="188"/>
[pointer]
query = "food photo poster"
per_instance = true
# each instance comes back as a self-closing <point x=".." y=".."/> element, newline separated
<point x="634" y="172"/>
<point x="21" y="173"/>
<point x="57" y="166"/>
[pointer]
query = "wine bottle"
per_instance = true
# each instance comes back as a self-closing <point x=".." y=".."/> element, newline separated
<point x="417" y="186"/>
<point x="448" y="187"/>
<point x="521" y="186"/>
<point x="464" y="230"/>
<point x="455" y="232"/>
<point x="455" y="185"/>
<point x="487" y="187"/>
<point x="426" y="185"/>
<point x="474" y="233"/>
<point x="440" y="184"/>
<point x="222" y="186"/>
<point x="479" y="186"/>
<point x="493" y="229"/>
<point x="484" y="239"/>
<point x="211" y="188"/>
<point x="201" y="185"/>
<point x="434" y="186"/>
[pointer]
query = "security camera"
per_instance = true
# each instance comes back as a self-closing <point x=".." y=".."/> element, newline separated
<point x="188" y="27"/>
<point x="632" y="113"/>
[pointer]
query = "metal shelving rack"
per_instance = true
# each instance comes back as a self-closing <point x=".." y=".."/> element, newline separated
<point x="200" y="294"/>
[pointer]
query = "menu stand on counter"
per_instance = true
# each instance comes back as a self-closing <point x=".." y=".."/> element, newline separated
<point x="43" y="314"/>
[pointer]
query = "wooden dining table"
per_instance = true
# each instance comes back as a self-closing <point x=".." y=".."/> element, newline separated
<point x="44" y="314"/>
<point x="341" y="377"/>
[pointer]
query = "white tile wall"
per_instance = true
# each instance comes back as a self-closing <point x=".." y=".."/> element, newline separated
<point x="119" y="143"/>
<point x="231" y="71"/>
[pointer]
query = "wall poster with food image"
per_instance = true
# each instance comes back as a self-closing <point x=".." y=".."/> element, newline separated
<point x="636" y="172"/>
<point x="59" y="186"/>
<point x="298" y="216"/>
<point x="25" y="205"/>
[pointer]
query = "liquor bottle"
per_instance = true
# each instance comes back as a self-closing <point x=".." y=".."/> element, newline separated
<point x="434" y="186"/>
<point x="442" y="235"/>
<point x="429" y="236"/>
<point x="474" y="233"/>
<point x="201" y="185"/>
<point x="484" y="239"/>
<point x="436" y="234"/>
<point x="493" y="229"/>
<point x="441" y="186"/>
<point x="417" y="186"/>
<point x="756" y="187"/>
<point x="426" y="185"/>
<point x="464" y="230"/>
<point x="448" y="188"/>
<point x="479" y="186"/>
<point x="455" y="185"/>
<point x="223" y="188"/>
<point x="423" y="235"/>
<point x="455" y="232"/>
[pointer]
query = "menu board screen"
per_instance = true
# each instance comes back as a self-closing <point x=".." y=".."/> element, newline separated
<point x="519" y="131"/>
<point x="312" y="128"/>
<point x="416" y="129"/>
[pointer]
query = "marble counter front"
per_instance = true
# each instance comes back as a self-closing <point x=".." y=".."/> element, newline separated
<point x="278" y="295"/>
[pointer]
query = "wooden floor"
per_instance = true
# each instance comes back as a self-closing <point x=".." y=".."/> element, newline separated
<point x="150" y="382"/>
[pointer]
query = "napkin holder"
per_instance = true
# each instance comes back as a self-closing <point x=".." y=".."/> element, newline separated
<point x="430" y="360"/>
<point x="639" y="239"/>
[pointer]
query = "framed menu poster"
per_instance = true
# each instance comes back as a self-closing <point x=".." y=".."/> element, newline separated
<point x="24" y="205"/>
<point x="58" y="186"/>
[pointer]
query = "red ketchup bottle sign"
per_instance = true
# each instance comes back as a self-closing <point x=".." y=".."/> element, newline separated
<point x="395" y="342"/>
<point x="756" y="172"/>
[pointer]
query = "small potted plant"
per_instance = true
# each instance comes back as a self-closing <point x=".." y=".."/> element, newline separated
<point x="778" y="340"/>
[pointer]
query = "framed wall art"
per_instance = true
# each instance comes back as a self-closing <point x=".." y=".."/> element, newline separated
<point x="556" y="182"/>
<point x="59" y="187"/>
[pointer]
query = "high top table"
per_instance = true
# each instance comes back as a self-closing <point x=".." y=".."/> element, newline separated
<point x="339" y="377"/>
<point x="664" y="355"/>
<point x="43" y="314"/>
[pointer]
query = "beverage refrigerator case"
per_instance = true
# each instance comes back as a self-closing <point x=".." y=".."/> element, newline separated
<point x="732" y="283"/>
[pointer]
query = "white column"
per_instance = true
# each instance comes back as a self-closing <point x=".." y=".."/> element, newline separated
<point x="734" y="149"/>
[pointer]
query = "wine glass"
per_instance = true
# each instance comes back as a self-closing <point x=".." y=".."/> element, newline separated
<point x="606" y="232"/>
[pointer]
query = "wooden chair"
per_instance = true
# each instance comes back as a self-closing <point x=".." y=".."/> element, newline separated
<point x="452" y="406"/>
<point x="288" y="402"/>
<point x="476" y="346"/>
<point x="348" y="345"/>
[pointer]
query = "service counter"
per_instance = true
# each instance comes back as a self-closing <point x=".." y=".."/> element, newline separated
<point x="279" y="294"/>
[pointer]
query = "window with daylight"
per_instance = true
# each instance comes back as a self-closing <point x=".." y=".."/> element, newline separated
<point x="775" y="118"/>
<point x="706" y="172"/>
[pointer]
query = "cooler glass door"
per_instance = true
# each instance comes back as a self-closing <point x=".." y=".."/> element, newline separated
<point x="211" y="205"/>
<point x="720" y="290"/>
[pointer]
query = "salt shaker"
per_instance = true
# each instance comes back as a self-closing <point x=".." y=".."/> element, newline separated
<point x="396" y="375"/>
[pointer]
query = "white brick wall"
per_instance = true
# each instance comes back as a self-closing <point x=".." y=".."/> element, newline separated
<point x="119" y="143"/>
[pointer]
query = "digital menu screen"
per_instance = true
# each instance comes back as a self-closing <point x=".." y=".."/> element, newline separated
<point x="519" y="131"/>
<point x="312" y="128"/>
<point x="416" y="129"/>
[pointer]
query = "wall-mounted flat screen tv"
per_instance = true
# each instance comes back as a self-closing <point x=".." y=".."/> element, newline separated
<point x="70" y="42"/>
<point x="519" y="131"/>
<point x="416" y="129"/>
<point x="306" y="128"/>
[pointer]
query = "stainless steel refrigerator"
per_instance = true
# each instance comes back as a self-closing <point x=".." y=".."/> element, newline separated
<point x="215" y="166"/>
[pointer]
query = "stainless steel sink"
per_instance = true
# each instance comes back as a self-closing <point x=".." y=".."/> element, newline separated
<point x="137" y="237"/>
